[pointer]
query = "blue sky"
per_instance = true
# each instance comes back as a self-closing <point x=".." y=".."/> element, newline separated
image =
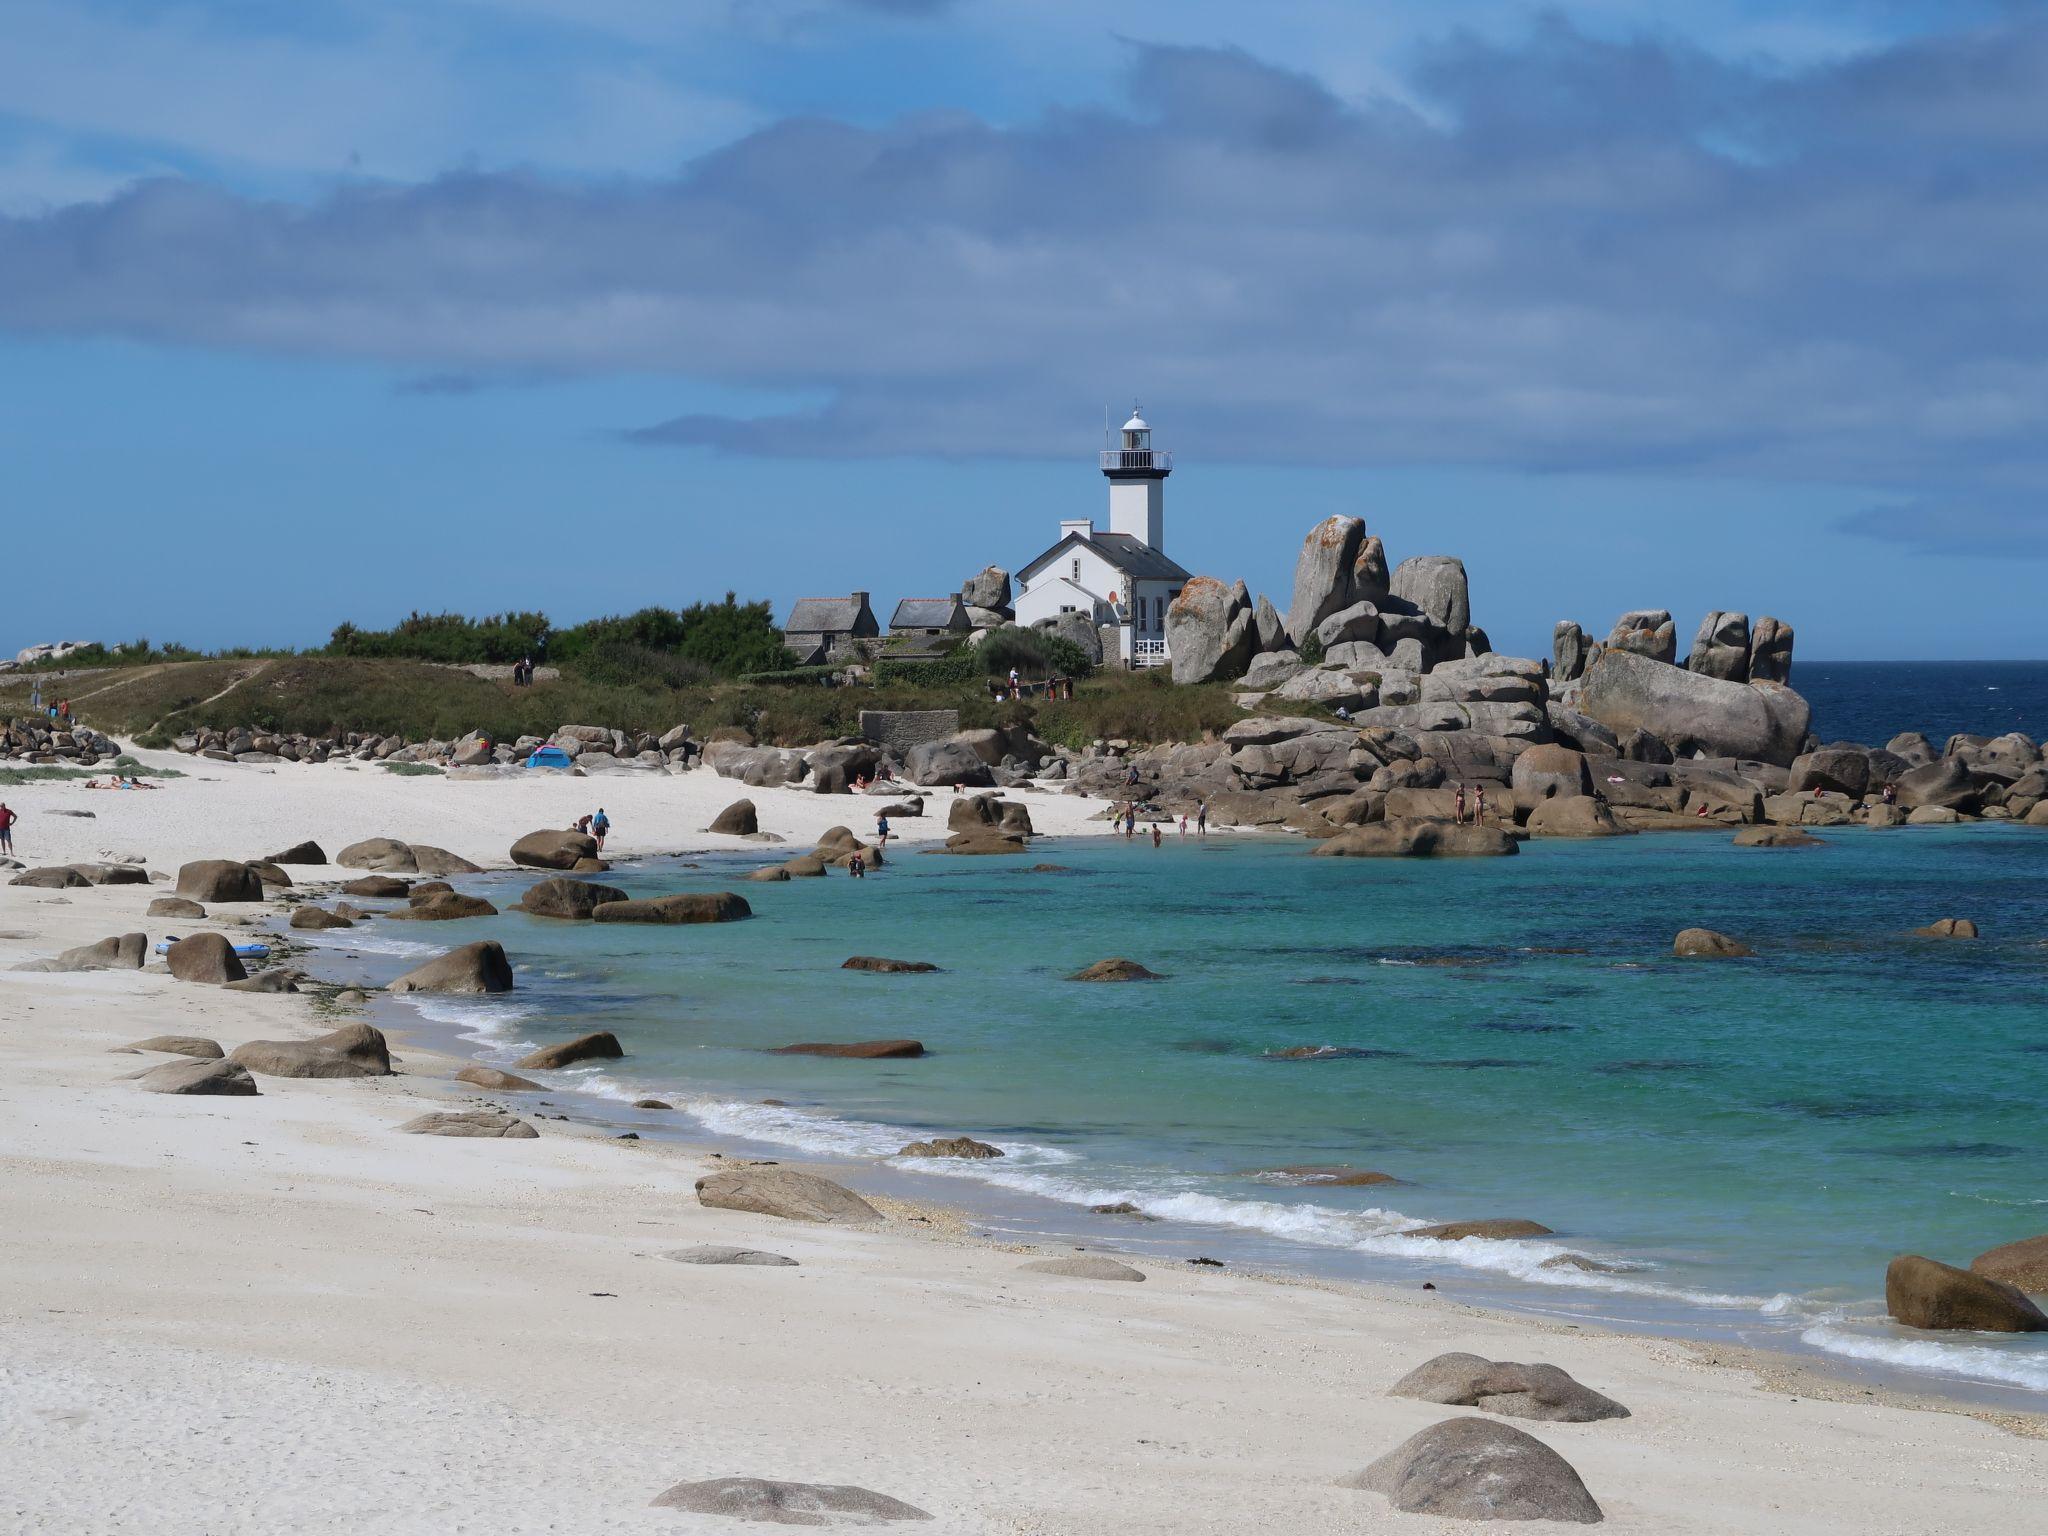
<point x="313" y="313"/>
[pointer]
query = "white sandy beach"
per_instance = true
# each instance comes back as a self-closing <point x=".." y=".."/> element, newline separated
<point x="274" y="1314"/>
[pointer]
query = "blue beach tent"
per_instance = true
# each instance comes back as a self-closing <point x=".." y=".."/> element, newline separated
<point x="549" y="756"/>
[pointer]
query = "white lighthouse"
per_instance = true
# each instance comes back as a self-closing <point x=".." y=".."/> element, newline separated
<point x="1117" y="580"/>
<point x="1137" y="473"/>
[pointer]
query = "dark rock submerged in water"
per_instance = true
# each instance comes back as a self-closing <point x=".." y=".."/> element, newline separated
<point x="1115" y="970"/>
<point x="759" y="1500"/>
<point x="853" y="1050"/>
<point x="1925" y="1293"/>
<point x="1948" y="928"/>
<point x="473" y="969"/>
<point x="1477" y="1469"/>
<point x="1413" y="838"/>
<point x="1775" y="837"/>
<point x="443" y="907"/>
<point x="1327" y="1176"/>
<point x="888" y="967"/>
<point x="1502" y="1386"/>
<point x="1707" y="944"/>
<point x="563" y="897"/>
<point x="602" y="1045"/>
<point x="682" y="907"/>
<point x="1499" y="1228"/>
<point x="951" y="1146"/>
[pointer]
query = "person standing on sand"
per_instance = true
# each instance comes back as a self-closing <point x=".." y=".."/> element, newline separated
<point x="882" y="827"/>
<point x="7" y="821"/>
<point x="599" y="825"/>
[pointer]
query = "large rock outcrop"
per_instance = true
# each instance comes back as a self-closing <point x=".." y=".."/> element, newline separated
<point x="552" y="849"/>
<point x="988" y="588"/>
<point x="474" y="968"/>
<point x="760" y="766"/>
<point x="1925" y="1293"/>
<point x="1692" y="712"/>
<point x="1645" y="632"/>
<point x="1211" y="631"/>
<point x="1325" y="579"/>
<point x="216" y="880"/>
<point x="2022" y="1265"/>
<point x="1770" y="651"/>
<point x="1436" y="587"/>
<point x="1721" y="648"/>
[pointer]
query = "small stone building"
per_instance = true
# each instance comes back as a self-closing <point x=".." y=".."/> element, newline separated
<point x="819" y="629"/>
<point x="931" y="616"/>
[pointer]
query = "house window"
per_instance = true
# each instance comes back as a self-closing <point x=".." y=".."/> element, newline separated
<point x="1067" y="608"/>
<point x="1077" y="570"/>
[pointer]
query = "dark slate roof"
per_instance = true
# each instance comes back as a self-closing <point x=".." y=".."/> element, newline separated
<point x="926" y="613"/>
<point x="1129" y="555"/>
<point x="822" y="615"/>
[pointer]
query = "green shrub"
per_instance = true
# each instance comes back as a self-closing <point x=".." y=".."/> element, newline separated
<point x="1311" y="651"/>
<point x="412" y="770"/>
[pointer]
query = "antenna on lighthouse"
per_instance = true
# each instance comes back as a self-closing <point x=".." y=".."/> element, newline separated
<point x="1105" y="424"/>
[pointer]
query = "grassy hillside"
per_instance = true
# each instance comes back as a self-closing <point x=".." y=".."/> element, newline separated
<point x="320" y="696"/>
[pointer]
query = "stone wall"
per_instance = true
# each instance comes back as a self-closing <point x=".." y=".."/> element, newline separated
<point x="899" y="730"/>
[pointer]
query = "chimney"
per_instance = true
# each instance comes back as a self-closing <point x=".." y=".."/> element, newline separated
<point x="1083" y="526"/>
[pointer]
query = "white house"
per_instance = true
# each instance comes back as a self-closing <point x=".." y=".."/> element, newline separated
<point x="1117" y="577"/>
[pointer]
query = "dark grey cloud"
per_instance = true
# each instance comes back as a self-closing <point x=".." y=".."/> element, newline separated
<point x="1573" y="254"/>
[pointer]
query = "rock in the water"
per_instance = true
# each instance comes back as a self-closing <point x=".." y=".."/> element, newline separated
<point x="1948" y="928"/>
<point x="601" y="1046"/>
<point x="209" y="880"/>
<point x="952" y="1146"/>
<point x="1479" y="1469"/>
<point x="1574" y="816"/>
<point x="199" y="1077"/>
<point x="2022" y="1265"/>
<point x="652" y="1104"/>
<point x="772" y="1503"/>
<point x="1498" y="1228"/>
<point x="474" y="968"/>
<point x="175" y="906"/>
<point x="553" y="850"/>
<point x="1084" y="1266"/>
<point x="1413" y="838"/>
<point x="480" y="1076"/>
<point x="1115" y="970"/>
<point x="891" y="967"/>
<point x="1932" y="816"/>
<point x="681" y="907"/>
<point x="566" y="898"/>
<point x="1502" y="1386"/>
<point x="1690" y="712"/>
<point x="712" y="1253"/>
<point x="1328" y="1176"/>
<point x="1721" y="648"/>
<point x="444" y="907"/>
<point x="207" y="957"/>
<point x="1210" y="632"/>
<point x="376" y="888"/>
<point x="429" y="860"/>
<point x="853" y="1050"/>
<point x="306" y="915"/>
<point x="182" y="1045"/>
<point x="1706" y="944"/>
<point x="737" y="820"/>
<point x="469" y="1122"/>
<point x="784" y="1192"/>
<point x="1925" y="1293"/>
<point x="1775" y="837"/>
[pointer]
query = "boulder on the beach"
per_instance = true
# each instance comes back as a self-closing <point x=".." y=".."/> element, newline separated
<point x="473" y="968"/>
<point x="384" y="855"/>
<point x="853" y="1050"/>
<point x="469" y="1122"/>
<point x="766" y="1502"/>
<point x="1925" y="1293"/>
<point x="306" y="915"/>
<point x="269" y="874"/>
<point x="1084" y="1266"/>
<point x="122" y="874"/>
<point x="223" y="1078"/>
<point x="265" y="981"/>
<point x="553" y="850"/>
<point x="718" y="1253"/>
<point x="1948" y="928"/>
<point x="205" y="957"/>
<point x="952" y="1146"/>
<point x="376" y="888"/>
<point x="1691" y="712"/>
<point x="2022" y="1265"/>
<point x="737" y="820"/>
<point x="601" y="1046"/>
<point x="887" y="967"/>
<point x="1883" y="816"/>
<point x="429" y="860"/>
<point x="566" y="898"/>
<point x="1574" y="816"/>
<point x="1503" y="1386"/>
<point x="62" y="878"/>
<point x="121" y="952"/>
<point x="444" y="907"/>
<point x="354" y="1050"/>
<point x="174" y="906"/>
<point x="308" y="852"/>
<point x="211" y="880"/>
<point x="784" y="1192"/>
<point x="1418" y="838"/>
<point x="1706" y="944"/>
<point x="195" y="1046"/>
<point x="947" y="762"/>
<point x="1497" y="1228"/>
<point x="1479" y="1469"/>
<point x="479" y="1076"/>
<point x="1115" y="970"/>
<point x="680" y="907"/>
<point x="1775" y="837"/>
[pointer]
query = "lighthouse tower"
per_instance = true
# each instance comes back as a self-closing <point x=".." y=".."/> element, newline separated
<point x="1137" y="473"/>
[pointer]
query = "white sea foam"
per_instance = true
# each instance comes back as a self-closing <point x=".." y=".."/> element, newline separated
<point x="489" y="1021"/>
<point x="1974" y="1362"/>
<point x="364" y="942"/>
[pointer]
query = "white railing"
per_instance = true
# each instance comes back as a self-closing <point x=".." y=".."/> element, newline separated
<point x="1141" y="460"/>
<point x="1148" y="653"/>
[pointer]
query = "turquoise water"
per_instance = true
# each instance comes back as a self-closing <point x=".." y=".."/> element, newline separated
<point x="1507" y="1037"/>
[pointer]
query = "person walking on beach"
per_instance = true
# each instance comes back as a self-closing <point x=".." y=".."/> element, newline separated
<point x="7" y="821"/>
<point x="1458" y="805"/>
<point x="599" y="825"/>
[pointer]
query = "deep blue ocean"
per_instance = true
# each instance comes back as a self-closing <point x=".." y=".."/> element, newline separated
<point x="1745" y="1143"/>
